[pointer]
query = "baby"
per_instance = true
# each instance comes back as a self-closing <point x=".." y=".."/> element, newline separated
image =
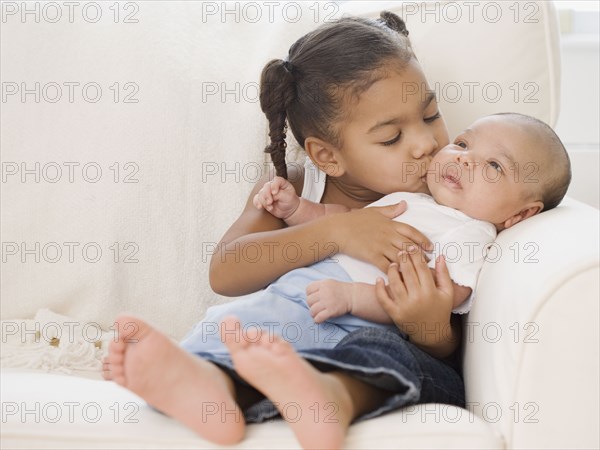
<point x="503" y="169"/>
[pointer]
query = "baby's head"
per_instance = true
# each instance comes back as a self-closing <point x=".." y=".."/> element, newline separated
<point x="503" y="169"/>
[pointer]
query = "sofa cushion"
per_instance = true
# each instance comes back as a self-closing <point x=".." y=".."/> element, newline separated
<point x="535" y="323"/>
<point x="41" y="410"/>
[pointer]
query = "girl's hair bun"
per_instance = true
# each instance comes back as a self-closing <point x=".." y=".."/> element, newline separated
<point x="394" y="22"/>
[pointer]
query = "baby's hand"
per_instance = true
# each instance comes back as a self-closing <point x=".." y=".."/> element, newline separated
<point x="328" y="298"/>
<point x="278" y="197"/>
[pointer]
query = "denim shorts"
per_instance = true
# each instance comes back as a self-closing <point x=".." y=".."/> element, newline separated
<point x="382" y="358"/>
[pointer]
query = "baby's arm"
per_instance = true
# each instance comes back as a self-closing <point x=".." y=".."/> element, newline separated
<point x="332" y="298"/>
<point x="280" y="199"/>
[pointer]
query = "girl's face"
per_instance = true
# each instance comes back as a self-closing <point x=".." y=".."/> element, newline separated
<point x="394" y="130"/>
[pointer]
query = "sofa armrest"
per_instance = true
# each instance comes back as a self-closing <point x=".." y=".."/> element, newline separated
<point x="531" y="339"/>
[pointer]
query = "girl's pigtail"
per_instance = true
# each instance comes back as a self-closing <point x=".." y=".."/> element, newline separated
<point x="277" y="91"/>
<point x="394" y="22"/>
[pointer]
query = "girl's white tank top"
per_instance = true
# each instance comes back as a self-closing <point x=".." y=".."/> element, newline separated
<point x="314" y="182"/>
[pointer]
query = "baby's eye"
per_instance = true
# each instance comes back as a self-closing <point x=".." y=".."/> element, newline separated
<point x="461" y="144"/>
<point x="495" y="166"/>
<point x="392" y="141"/>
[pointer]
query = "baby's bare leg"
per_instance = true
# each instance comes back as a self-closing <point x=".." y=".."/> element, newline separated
<point x="318" y="406"/>
<point x="193" y="391"/>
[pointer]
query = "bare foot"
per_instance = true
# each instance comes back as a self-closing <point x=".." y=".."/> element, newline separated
<point x="193" y="391"/>
<point x="106" y="369"/>
<point x="315" y="404"/>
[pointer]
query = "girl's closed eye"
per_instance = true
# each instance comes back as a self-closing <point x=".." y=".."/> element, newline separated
<point x="392" y="141"/>
<point x="433" y="118"/>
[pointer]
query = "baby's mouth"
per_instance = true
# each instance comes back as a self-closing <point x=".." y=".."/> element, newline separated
<point x="452" y="180"/>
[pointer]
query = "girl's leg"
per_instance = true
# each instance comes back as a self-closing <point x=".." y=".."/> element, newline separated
<point x="318" y="406"/>
<point x="195" y="392"/>
<point x="364" y="397"/>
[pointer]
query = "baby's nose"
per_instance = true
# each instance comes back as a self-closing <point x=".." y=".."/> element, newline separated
<point x="464" y="160"/>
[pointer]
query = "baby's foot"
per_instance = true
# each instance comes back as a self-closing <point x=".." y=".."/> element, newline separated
<point x="313" y="403"/>
<point x="193" y="391"/>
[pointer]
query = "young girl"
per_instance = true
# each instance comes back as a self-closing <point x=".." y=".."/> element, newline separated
<point x="356" y="98"/>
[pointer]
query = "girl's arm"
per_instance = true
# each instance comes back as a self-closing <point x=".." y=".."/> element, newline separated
<point x="258" y="248"/>
<point x="308" y="211"/>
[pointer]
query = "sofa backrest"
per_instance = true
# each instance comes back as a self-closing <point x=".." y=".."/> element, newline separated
<point x="131" y="134"/>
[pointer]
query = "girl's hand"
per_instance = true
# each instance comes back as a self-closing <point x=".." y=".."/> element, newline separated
<point x="279" y="197"/>
<point x="418" y="303"/>
<point x="370" y="235"/>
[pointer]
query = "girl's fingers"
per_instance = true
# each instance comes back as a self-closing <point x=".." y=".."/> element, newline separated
<point x="421" y="269"/>
<point x="391" y="211"/>
<point x="409" y="275"/>
<point x="383" y="297"/>
<point x="409" y="233"/>
<point x="384" y="262"/>
<point x="396" y="285"/>
<point x="442" y="276"/>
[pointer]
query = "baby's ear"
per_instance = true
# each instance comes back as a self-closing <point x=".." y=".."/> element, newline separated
<point x="325" y="156"/>
<point x="529" y="210"/>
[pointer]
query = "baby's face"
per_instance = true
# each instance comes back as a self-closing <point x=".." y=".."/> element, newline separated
<point x="490" y="171"/>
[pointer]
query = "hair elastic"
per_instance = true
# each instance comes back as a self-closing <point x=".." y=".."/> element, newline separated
<point x="288" y="66"/>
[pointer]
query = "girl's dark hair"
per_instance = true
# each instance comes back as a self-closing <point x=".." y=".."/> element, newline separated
<point x="337" y="60"/>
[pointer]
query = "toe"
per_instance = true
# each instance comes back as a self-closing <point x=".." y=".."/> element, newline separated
<point x="131" y="329"/>
<point x="231" y="334"/>
<point x="106" y="374"/>
<point x="280" y="346"/>
<point x="252" y="335"/>
<point x="116" y="347"/>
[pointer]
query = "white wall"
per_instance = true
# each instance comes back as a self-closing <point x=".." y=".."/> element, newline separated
<point x="578" y="123"/>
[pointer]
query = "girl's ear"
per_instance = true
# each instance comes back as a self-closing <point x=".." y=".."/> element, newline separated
<point x="324" y="156"/>
<point x="529" y="210"/>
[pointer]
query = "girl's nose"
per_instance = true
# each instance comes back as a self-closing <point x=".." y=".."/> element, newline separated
<point x="424" y="145"/>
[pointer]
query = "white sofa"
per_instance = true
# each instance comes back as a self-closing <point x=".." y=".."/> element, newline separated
<point x="193" y="141"/>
